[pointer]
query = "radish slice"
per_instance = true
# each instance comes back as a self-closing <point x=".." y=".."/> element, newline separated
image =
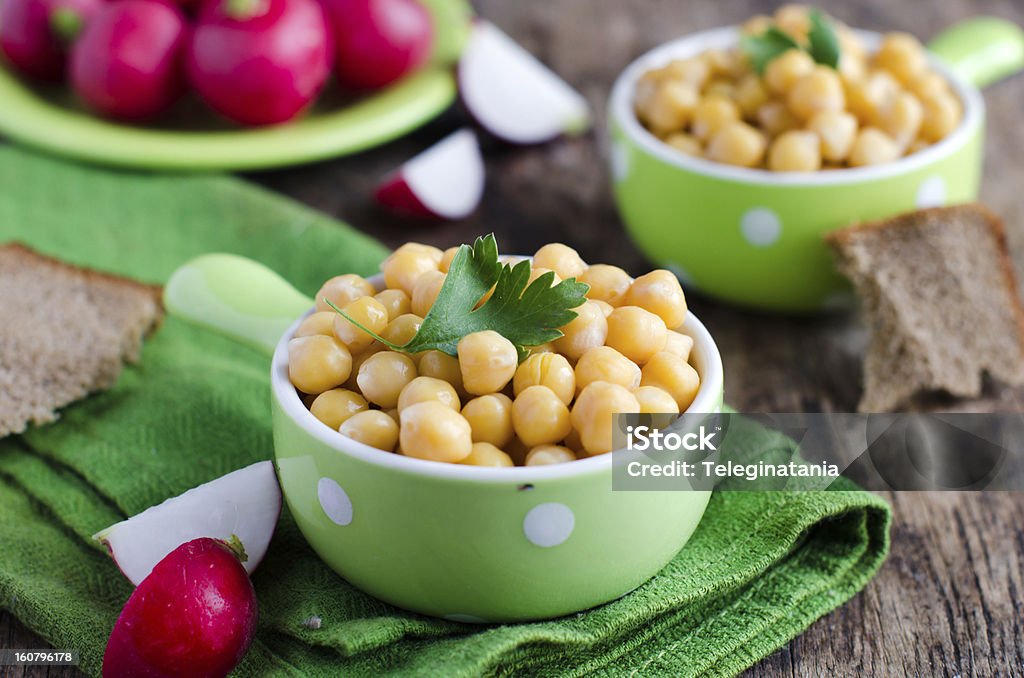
<point x="513" y="95"/>
<point x="446" y="181"/>
<point x="243" y="504"/>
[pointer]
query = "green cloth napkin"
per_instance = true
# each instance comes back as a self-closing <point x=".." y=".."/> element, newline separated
<point x="760" y="568"/>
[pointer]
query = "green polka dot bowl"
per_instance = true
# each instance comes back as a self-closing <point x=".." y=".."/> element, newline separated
<point x="465" y="543"/>
<point x="754" y="237"/>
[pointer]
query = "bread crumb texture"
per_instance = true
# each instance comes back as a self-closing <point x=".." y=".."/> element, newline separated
<point x="65" y="332"/>
<point x="940" y="298"/>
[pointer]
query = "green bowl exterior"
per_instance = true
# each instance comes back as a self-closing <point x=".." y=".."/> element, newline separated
<point x="458" y="548"/>
<point x="761" y="245"/>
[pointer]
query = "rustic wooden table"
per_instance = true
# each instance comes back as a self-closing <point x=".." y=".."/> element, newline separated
<point x="949" y="600"/>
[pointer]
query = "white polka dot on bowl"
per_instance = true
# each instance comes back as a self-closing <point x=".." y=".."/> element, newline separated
<point x="549" y="524"/>
<point x="931" y="193"/>
<point x="761" y="227"/>
<point x="334" y="501"/>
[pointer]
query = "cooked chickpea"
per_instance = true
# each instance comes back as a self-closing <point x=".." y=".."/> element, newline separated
<point x="655" y="400"/>
<point x="750" y="95"/>
<point x="396" y="302"/>
<point x="693" y="71"/>
<point x="357" y="362"/>
<point x="432" y="430"/>
<point x="342" y="290"/>
<point x="543" y="455"/>
<point x="373" y="428"/>
<point x="684" y="143"/>
<point x="795" y="151"/>
<point x="604" y="363"/>
<point x="723" y="62"/>
<point x="819" y="90"/>
<point x="674" y="375"/>
<point x="794" y="19"/>
<point x="902" y="55"/>
<point x="333" y="407"/>
<point x="737" y="143"/>
<point x="783" y="72"/>
<point x="671" y="107"/>
<point x="539" y="416"/>
<point x="447" y="257"/>
<point x="756" y="25"/>
<point x="942" y="114"/>
<point x="720" y="87"/>
<point x="607" y="283"/>
<point x="865" y="99"/>
<point x="441" y="366"/>
<point x="605" y="307"/>
<point x="586" y="331"/>
<point x="393" y="413"/>
<point x="401" y="329"/>
<point x="546" y="369"/>
<point x="546" y="347"/>
<point x="902" y="118"/>
<point x="836" y="132"/>
<point x="660" y="293"/>
<point x="537" y="272"/>
<point x="562" y="259"/>
<point x="488" y="361"/>
<point x="593" y="414"/>
<point x="321" y="322"/>
<point x="383" y="376"/>
<point x="485" y="454"/>
<point x="872" y="147"/>
<point x="405" y="266"/>
<point x="369" y="313"/>
<point x="928" y="84"/>
<point x="422" y="389"/>
<point x="711" y="113"/>
<point x="636" y="333"/>
<point x="318" y="363"/>
<point x="490" y="419"/>
<point x="775" y="118"/>
<point x="425" y="291"/>
<point x="679" y="344"/>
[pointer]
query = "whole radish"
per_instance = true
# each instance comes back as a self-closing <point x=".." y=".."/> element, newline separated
<point x="194" y="615"/>
<point x="127" y="61"/>
<point x="378" y="41"/>
<point x="259" y="62"/>
<point x="35" y="34"/>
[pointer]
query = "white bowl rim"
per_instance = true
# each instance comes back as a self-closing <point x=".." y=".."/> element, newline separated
<point x="620" y="110"/>
<point x="708" y="400"/>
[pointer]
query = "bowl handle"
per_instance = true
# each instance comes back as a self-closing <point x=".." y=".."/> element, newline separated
<point x="981" y="50"/>
<point x="235" y="296"/>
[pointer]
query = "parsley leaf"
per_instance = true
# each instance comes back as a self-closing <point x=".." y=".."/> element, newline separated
<point x="761" y="49"/>
<point x="526" y="315"/>
<point x="822" y="42"/>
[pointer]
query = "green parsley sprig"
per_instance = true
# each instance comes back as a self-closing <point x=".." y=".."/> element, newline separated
<point x="822" y="44"/>
<point x="527" y="314"/>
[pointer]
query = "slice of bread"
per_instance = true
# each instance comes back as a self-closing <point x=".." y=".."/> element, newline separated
<point x="65" y="332"/>
<point x="939" y="295"/>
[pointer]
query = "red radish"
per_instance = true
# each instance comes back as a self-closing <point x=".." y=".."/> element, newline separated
<point x="446" y="181"/>
<point x="127" y="61"/>
<point x="195" y="616"/>
<point x="378" y="41"/>
<point x="260" y="62"/>
<point x="244" y="504"/>
<point x="35" y="34"/>
<point x="513" y="95"/>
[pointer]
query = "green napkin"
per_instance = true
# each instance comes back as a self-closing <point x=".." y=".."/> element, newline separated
<point x="760" y="568"/>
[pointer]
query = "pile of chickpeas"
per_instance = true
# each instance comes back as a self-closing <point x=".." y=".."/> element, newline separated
<point x="799" y="116"/>
<point x="623" y="353"/>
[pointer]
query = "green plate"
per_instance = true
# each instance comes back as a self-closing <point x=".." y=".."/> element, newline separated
<point x="193" y="139"/>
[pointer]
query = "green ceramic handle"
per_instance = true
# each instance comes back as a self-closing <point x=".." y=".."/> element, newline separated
<point x="981" y="50"/>
<point x="235" y="296"/>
